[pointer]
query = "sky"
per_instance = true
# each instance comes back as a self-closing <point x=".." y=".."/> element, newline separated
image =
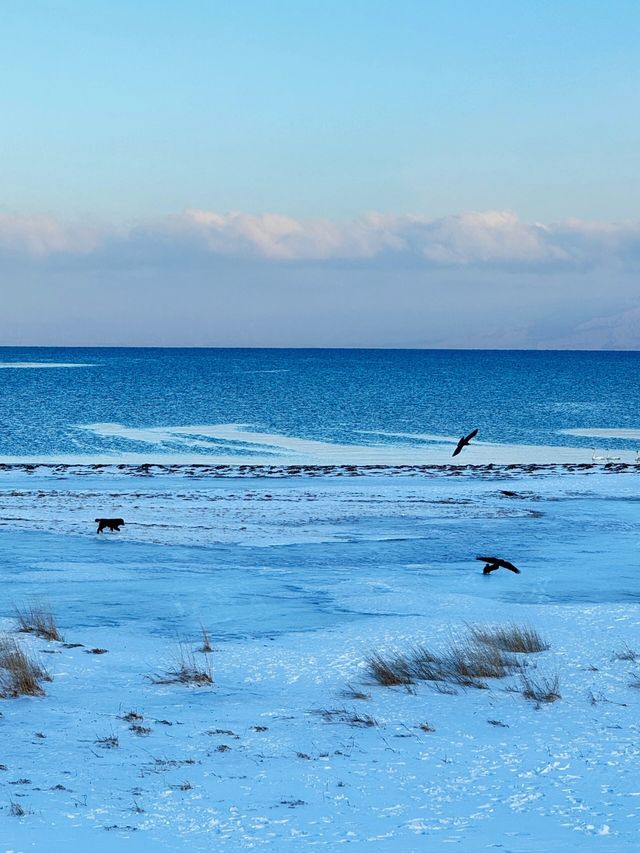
<point x="320" y="173"/>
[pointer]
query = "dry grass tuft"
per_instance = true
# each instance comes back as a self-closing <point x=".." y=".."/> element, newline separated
<point x="141" y="731"/>
<point x="206" y="646"/>
<point x="512" y="638"/>
<point x="540" y="689"/>
<point x="39" y="621"/>
<point x="484" y="654"/>
<point x="108" y="742"/>
<point x="627" y="653"/>
<point x="465" y="664"/>
<point x="132" y="717"/>
<point x="16" y="809"/>
<point x="20" y="675"/>
<point x="351" y="692"/>
<point x="391" y="671"/>
<point x="186" y="671"/>
<point x="351" y="718"/>
<point x="468" y="665"/>
<point x="425" y="666"/>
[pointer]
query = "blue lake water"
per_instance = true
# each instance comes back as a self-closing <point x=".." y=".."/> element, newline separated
<point x="346" y="396"/>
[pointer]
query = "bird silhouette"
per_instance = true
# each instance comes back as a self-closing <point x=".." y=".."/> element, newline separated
<point x="464" y="441"/>
<point x="493" y="563"/>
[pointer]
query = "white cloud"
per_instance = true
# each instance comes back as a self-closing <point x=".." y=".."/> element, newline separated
<point x="484" y="239"/>
<point x="487" y="238"/>
<point x="272" y="235"/>
<point x="44" y="235"/>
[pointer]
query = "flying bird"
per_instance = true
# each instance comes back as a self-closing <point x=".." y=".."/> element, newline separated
<point x="464" y="441"/>
<point x="493" y="563"/>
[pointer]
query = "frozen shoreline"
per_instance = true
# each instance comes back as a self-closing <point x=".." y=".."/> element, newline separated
<point x="237" y="445"/>
<point x="298" y="579"/>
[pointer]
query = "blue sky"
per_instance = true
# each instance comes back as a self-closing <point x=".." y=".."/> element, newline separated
<point x="121" y="116"/>
<point x="129" y="109"/>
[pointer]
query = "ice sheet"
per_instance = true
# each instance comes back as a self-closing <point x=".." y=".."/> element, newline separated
<point x="239" y="444"/>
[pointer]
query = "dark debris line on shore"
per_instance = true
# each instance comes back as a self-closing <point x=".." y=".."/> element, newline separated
<point x="235" y="471"/>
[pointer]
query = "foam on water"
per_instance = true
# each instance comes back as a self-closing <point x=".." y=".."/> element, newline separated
<point x="34" y="365"/>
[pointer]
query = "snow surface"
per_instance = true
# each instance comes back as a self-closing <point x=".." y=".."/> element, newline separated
<point x="298" y="579"/>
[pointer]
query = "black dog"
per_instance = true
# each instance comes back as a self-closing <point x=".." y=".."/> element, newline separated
<point x="111" y="523"/>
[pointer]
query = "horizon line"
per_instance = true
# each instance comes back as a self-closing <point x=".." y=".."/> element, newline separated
<point x="307" y="348"/>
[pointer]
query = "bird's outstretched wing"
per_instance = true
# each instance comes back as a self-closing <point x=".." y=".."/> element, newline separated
<point x="464" y="441"/>
<point x="494" y="563"/>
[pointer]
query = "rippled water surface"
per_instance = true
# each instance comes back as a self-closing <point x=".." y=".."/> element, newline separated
<point x="119" y="401"/>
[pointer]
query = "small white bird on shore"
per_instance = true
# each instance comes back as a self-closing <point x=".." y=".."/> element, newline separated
<point x="595" y="458"/>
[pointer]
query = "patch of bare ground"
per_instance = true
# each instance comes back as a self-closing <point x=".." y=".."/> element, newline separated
<point x="351" y="718"/>
<point x="20" y="675"/>
<point x="38" y="620"/>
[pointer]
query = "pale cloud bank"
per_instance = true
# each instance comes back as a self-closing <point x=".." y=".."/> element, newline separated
<point x="485" y="239"/>
<point x="201" y="278"/>
<point x="42" y="235"/>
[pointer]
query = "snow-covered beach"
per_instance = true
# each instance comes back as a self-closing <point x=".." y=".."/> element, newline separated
<point x="298" y="580"/>
<point x="319" y="427"/>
